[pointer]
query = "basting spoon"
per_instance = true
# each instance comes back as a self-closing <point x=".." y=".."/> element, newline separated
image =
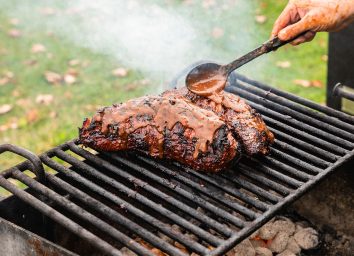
<point x="209" y="78"/>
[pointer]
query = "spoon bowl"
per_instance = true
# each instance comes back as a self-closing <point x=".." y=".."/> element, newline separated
<point x="206" y="79"/>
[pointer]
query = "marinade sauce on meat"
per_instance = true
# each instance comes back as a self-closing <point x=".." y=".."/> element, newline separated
<point x="165" y="113"/>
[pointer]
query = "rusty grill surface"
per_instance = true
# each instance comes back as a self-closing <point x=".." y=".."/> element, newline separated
<point x="115" y="200"/>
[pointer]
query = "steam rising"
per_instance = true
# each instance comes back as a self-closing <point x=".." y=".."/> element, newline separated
<point x="159" y="38"/>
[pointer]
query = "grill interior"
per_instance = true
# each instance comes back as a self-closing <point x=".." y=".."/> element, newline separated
<point x="122" y="199"/>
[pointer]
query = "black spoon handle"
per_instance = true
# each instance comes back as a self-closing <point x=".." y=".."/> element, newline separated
<point x="268" y="46"/>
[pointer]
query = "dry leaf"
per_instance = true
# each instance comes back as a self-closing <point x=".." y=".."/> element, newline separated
<point x="14" y="33"/>
<point x="72" y="72"/>
<point x="44" y="99"/>
<point x="9" y="74"/>
<point x="217" y="32"/>
<point x="302" y="82"/>
<point x="32" y="116"/>
<point x="47" y="11"/>
<point x="324" y="58"/>
<point x="15" y="93"/>
<point x="49" y="55"/>
<point x="261" y="19"/>
<point x="69" y="78"/>
<point x="68" y="95"/>
<point x="74" y="62"/>
<point x="5" y="109"/>
<point x="120" y="72"/>
<point x="4" y="80"/>
<point x="53" y="114"/>
<point x="317" y="83"/>
<point x="307" y="83"/>
<point x="85" y="64"/>
<point x="38" y="48"/>
<point x="283" y="64"/>
<point x="14" y="21"/>
<point x="23" y="103"/>
<point x="52" y="77"/>
<point x="208" y="3"/>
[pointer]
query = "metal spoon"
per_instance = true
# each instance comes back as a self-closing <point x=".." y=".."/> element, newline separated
<point x="209" y="78"/>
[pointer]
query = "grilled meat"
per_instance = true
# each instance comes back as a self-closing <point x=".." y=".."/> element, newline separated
<point x="168" y="127"/>
<point x="205" y="133"/>
<point x="245" y="123"/>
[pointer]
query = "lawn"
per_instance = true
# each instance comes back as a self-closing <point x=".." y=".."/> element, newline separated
<point x="48" y="84"/>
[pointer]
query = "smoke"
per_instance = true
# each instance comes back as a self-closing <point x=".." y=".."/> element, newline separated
<point x="158" y="38"/>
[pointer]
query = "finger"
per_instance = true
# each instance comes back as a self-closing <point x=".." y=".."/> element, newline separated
<point x="296" y="29"/>
<point x="283" y="20"/>
<point x="308" y="37"/>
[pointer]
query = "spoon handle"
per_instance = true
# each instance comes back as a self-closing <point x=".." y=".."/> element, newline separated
<point x="268" y="46"/>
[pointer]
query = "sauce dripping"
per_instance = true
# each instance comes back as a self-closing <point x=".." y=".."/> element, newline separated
<point x="207" y="83"/>
<point x="163" y="112"/>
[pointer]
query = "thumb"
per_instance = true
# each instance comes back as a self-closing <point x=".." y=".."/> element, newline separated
<point x="292" y="31"/>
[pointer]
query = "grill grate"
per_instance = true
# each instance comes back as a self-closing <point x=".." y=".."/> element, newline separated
<point x="124" y="198"/>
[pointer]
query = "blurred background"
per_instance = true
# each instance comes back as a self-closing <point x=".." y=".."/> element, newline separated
<point x="61" y="60"/>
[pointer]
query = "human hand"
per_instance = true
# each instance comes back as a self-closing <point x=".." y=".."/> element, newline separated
<point x="312" y="16"/>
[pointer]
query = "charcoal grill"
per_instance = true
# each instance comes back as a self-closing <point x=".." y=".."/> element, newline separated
<point x="111" y="200"/>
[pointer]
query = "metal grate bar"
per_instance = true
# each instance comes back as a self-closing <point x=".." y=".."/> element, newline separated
<point x="222" y="229"/>
<point x="114" y="216"/>
<point x="286" y="118"/>
<point x="296" y="161"/>
<point x="90" y="218"/>
<point x="227" y="188"/>
<point x="330" y="158"/>
<point x="192" y="197"/>
<point x="310" y="104"/>
<point x="205" y="190"/>
<point x="91" y="171"/>
<point x="262" y="167"/>
<point x="308" y="113"/>
<point x="60" y="218"/>
<point x="316" y="141"/>
<point x="284" y="191"/>
<point x="314" y="160"/>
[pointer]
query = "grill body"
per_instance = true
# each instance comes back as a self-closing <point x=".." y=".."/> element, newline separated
<point x="111" y="200"/>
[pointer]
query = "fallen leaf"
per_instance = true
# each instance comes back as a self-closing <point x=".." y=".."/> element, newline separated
<point x="44" y="99"/>
<point x="14" y="21"/>
<point x="49" y="55"/>
<point x="324" y="58"/>
<point x="317" y="83"/>
<point x="120" y="72"/>
<point x="53" y="114"/>
<point x="15" y="93"/>
<point x="5" y="109"/>
<point x="32" y="115"/>
<point x="9" y="74"/>
<point x="307" y="83"/>
<point x="14" y="33"/>
<point x="38" y="48"/>
<point x="208" y="3"/>
<point x="68" y="95"/>
<point x="52" y="77"/>
<point x="4" y="80"/>
<point x="69" y="79"/>
<point x="23" y="102"/>
<point x="261" y="19"/>
<point x="283" y="64"/>
<point x="302" y="82"/>
<point x="217" y="32"/>
<point x="72" y="71"/>
<point x="47" y="11"/>
<point x="85" y="64"/>
<point x="74" y="62"/>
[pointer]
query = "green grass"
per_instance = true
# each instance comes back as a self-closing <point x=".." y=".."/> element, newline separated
<point x="57" y="122"/>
